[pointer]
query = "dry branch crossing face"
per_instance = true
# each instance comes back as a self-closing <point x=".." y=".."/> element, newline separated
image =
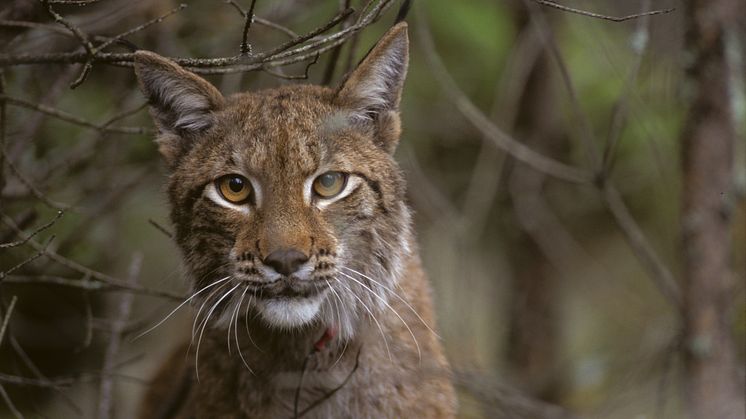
<point x="290" y="212"/>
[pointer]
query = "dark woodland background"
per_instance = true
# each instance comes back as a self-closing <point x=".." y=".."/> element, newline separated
<point x="578" y="182"/>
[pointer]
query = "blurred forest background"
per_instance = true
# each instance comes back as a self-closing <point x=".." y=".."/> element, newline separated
<point x="552" y="160"/>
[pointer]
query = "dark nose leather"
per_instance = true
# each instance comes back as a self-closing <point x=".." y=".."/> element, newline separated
<point x="285" y="261"/>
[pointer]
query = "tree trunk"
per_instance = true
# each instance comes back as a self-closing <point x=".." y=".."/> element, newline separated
<point x="533" y="339"/>
<point x="712" y="380"/>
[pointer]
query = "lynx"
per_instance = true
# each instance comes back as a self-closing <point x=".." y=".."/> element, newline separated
<point x="290" y="212"/>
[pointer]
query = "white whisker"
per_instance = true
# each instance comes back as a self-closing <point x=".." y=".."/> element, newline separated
<point x="419" y="352"/>
<point x="202" y="306"/>
<point x="397" y="296"/>
<point x="246" y="323"/>
<point x="230" y="320"/>
<point x="204" y="326"/>
<point x="380" y="329"/>
<point x="178" y="307"/>
<point x="339" y="317"/>
<point x="235" y="331"/>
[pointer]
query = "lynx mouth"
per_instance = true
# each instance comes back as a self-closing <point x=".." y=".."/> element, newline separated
<point x="286" y="304"/>
<point x="287" y="287"/>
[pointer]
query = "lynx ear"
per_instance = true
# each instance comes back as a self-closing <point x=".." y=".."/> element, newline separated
<point x="373" y="90"/>
<point x="182" y="104"/>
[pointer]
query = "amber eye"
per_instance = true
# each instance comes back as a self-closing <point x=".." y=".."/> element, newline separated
<point x="329" y="184"/>
<point x="235" y="189"/>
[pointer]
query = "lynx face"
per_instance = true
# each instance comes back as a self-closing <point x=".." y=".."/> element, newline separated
<point x="286" y="202"/>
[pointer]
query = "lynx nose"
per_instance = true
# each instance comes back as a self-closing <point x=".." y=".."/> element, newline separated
<point x="285" y="261"/>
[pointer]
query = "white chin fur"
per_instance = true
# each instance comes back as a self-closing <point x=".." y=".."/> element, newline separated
<point x="290" y="313"/>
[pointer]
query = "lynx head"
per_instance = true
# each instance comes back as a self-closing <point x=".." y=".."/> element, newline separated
<point x="287" y="202"/>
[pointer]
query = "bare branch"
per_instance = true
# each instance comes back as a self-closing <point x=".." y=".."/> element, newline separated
<point x="87" y="272"/>
<point x="284" y="50"/>
<point x="336" y="52"/>
<point x="34" y="190"/>
<point x="139" y="28"/>
<point x="82" y="37"/>
<point x="8" y="402"/>
<point x="619" y="114"/>
<point x="106" y="405"/>
<point x="33" y="233"/>
<point x="87" y="284"/>
<point x="73" y="2"/>
<point x="498" y="137"/>
<point x="303" y="76"/>
<point x="285" y="54"/>
<point x="67" y="117"/>
<point x="248" y="19"/>
<point x="659" y="272"/>
<point x="160" y="228"/>
<point x="582" y="121"/>
<point x="504" y="402"/>
<point x="601" y="16"/>
<point x="3" y="128"/>
<point x="287" y="31"/>
<point x="6" y="318"/>
<point x="41" y="252"/>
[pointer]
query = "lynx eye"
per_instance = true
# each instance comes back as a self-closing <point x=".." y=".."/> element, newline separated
<point x="235" y="189"/>
<point x="329" y="184"/>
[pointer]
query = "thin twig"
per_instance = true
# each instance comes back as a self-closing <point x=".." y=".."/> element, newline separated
<point x="601" y="16"/>
<point x="67" y="117"/>
<point x="583" y="123"/>
<point x="85" y="284"/>
<point x="284" y="50"/>
<point x="33" y="233"/>
<point x="29" y="363"/>
<point x="620" y="111"/>
<point x="160" y="228"/>
<point x="74" y="2"/>
<point x="76" y="31"/>
<point x="286" y="54"/>
<point x="123" y="115"/>
<point x="287" y="31"/>
<point x="88" y="337"/>
<point x="81" y="36"/>
<point x="64" y="381"/>
<point x="6" y="318"/>
<point x="659" y="272"/>
<point x="139" y="28"/>
<point x="34" y="190"/>
<point x="41" y="252"/>
<point x="248" y="19"/>
<point x="331" y="66"/>
<point x="8" y="402"/>
<point x="3" y="128"/>
<point x="46" y="27"/>
<point x="498" y="137"/>
<point x="303" y="76"/>
<point x="88" y="272"/>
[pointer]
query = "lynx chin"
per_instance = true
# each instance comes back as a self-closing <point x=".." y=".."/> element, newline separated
<point x="308" y="292"/>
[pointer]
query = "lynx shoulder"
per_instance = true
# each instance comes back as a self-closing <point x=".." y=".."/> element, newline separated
<point x="290" y="212"/>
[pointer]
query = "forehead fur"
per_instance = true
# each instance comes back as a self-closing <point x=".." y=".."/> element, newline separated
<point x="285" y="122"/>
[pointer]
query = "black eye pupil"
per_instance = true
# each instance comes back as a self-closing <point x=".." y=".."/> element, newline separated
<point x="236" y="184"/>
<point x="327" y="180"/>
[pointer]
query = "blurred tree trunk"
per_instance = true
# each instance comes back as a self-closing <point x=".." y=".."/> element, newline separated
<point x="23" y="10"/>
<point x="712" y="381"/>
<point x="533" y="325"/>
